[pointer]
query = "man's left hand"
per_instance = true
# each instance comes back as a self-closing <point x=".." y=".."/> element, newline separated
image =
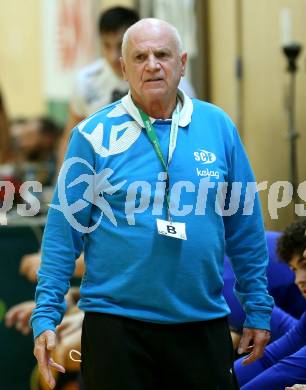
<point x="254" y="342"/>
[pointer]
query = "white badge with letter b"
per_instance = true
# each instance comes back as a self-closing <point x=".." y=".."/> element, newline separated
<point x="171" y="229"/>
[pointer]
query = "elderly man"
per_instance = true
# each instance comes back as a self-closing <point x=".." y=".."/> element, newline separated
<point x="140" y="192"/>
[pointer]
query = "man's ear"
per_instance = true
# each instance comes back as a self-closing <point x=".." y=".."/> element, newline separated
<point x="184" y="63"/>
<point x="123" y="68"/>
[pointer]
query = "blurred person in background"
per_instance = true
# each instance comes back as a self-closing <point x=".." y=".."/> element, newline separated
<point x="101" y="82"/>
<point x="9" y="172"/>
<point x="33" y="149"/>
<point x="36" y="143"/>
<point x="36" y="139"/>
<point x="289" y="304"/>
<point x="31" y="140"/>
<point x="284" y="361"/>
<point x="27" y="140"/>
<point x="28" y="150"/>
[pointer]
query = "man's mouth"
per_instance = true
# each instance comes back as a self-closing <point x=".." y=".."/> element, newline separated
<point x="153" y="79"/>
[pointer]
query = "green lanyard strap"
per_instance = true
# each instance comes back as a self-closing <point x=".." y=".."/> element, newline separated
<point x="154" y="140"/>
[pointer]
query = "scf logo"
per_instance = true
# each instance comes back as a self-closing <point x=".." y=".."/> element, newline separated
<point x="204" y="156"/>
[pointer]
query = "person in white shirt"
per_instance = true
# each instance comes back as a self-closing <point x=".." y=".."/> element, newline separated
<point x="101" y="82"/>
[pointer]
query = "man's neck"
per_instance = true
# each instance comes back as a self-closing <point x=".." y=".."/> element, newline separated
<point x="157" y="108"/>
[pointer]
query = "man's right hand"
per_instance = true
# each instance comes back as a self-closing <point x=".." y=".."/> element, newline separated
<point x="259" y="339"/>
<point x="44" y="344"/>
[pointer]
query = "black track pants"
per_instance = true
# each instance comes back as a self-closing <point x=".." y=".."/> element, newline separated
<point x="124" y="354"/>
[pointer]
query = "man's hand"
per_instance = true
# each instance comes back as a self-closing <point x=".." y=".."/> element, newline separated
<point x="44" y="344"/>
<point x="296" y="387"/>
<point x="29" y="266"/>
<point x="19" y="316"/>
<point x="259" y="339"/>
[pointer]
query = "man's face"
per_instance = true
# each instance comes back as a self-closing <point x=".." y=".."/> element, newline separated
<point x="298" y="266"/>
<point x="152" y="64"/>
<point x="111" y="49"/>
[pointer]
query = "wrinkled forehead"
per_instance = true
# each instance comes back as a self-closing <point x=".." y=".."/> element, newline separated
<point x="152" y="39"/>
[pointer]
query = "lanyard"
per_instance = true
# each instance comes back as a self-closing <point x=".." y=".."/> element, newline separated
<point x="172" y="143"/>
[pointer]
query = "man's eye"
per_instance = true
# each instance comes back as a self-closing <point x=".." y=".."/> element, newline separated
<point x="162" y="54"/>
<point x="140" y="57"/>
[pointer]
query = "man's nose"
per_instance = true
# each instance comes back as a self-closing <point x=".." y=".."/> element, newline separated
<point x="152" y="63"/>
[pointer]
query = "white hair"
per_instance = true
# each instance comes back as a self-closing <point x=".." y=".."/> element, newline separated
<point x="153" y="21"/>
